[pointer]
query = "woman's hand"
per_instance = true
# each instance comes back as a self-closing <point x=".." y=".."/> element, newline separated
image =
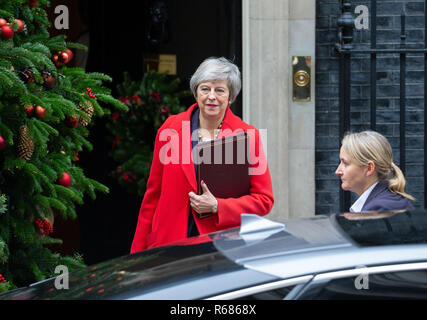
<point x="205" y="202"/>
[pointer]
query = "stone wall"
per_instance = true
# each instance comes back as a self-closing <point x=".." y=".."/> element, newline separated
<point x="273" y="31"/>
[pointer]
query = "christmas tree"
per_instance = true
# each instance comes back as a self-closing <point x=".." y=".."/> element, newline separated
<point x="150" y="101"/>
<point x="46" y="110"/>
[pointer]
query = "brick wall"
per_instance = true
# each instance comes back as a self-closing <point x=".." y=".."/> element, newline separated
<point x="388" y="102"/>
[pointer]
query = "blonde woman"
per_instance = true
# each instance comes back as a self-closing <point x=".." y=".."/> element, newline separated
<point x="367" y="169"/>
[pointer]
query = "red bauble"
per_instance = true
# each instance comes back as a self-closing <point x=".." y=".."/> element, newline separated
<point x="3" y="22"/>
<point x="63" y="57"/>
<point x="2" y="143"/>
<point x="6" y="32"/>
<point x="21" y="25"/>
<point x="72" y="121"/>
<point x="65" y="180"/>
<point x="29" y="111"/>
<point x="70" y="54"/>
<point x="55" y="60"/>
<point x="40" y="112"/>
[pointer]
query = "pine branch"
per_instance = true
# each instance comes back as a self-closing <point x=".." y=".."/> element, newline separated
<point x="10" y="164"/>
<point x="5" y="81"/>
<point x="59" y="162"/>
<point x="57" y="204"/>
<point x="75" y="45"/>
<point x="56" y="43"/>
<point x="33" y="172"/>
<point x="68" y="193"/>
<point x="42" y="200"/>
<point x="75" y="262"/>
<point x="97" y="109"/>
<point x="114" y="102"/>
<point x="48" y="171"/>
<point x="38" y="137"/>
<point x="47" y="128"/>
<point x="6" y="133"/>
<point x="37" y="272"/>
<point x="49" y="240"/>
<point x="13" y="82"/>
<point x="37" y="48"/>
<point x="98" y="186"/>
<point x="72" y="213"/>
<point x="99" y="76"/>
<point x="5" y="14"/>
<point x="3" y="251"/>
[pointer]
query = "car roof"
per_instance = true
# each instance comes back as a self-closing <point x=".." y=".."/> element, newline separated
<point x="325" y="243"/>
<point x="269" y="238"/>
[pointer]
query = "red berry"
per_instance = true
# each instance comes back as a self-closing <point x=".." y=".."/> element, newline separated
<point x="45" y="228"/>
<point x="3" y="22"/>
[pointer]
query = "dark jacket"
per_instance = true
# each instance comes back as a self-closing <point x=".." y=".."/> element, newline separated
<point x="382" y="199"/>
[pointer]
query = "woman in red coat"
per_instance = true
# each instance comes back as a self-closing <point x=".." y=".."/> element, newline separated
<point x="170" y="208"/>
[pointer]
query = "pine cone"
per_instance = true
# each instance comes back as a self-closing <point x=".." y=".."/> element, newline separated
<point x="25" y="143"/>
<point x="89" y="112"/>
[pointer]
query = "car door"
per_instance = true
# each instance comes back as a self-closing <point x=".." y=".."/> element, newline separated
<point x="397" y="281"/>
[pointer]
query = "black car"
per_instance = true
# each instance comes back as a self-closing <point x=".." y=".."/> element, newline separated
<point x="343" y="256"/>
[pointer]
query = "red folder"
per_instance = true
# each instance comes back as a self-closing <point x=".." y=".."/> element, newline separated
<point x="223" y="165"/>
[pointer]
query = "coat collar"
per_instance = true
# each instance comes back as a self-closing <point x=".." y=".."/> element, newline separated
<point x="231" y="121"/>
<point x="182" y="125"/>
<point x="380" y="187"/>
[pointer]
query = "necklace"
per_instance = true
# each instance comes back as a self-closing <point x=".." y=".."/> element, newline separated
<point x="216" y="133"/>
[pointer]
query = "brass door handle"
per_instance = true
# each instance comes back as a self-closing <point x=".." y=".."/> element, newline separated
<point x="301" y="78"/>
<point x="301" y="84"/>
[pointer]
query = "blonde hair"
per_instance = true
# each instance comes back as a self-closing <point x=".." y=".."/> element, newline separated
<point x="372" y="146"/>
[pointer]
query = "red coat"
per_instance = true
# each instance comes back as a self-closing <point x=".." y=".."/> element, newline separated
<point x="163" y="216"/>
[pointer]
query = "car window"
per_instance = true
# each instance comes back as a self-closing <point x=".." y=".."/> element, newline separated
<point x="384" y="228"/>
<point x="277" y="294"/>
<point x="384" y="286"/>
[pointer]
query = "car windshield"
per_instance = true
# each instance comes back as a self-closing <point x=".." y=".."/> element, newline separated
<point x="384" y="228"/>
